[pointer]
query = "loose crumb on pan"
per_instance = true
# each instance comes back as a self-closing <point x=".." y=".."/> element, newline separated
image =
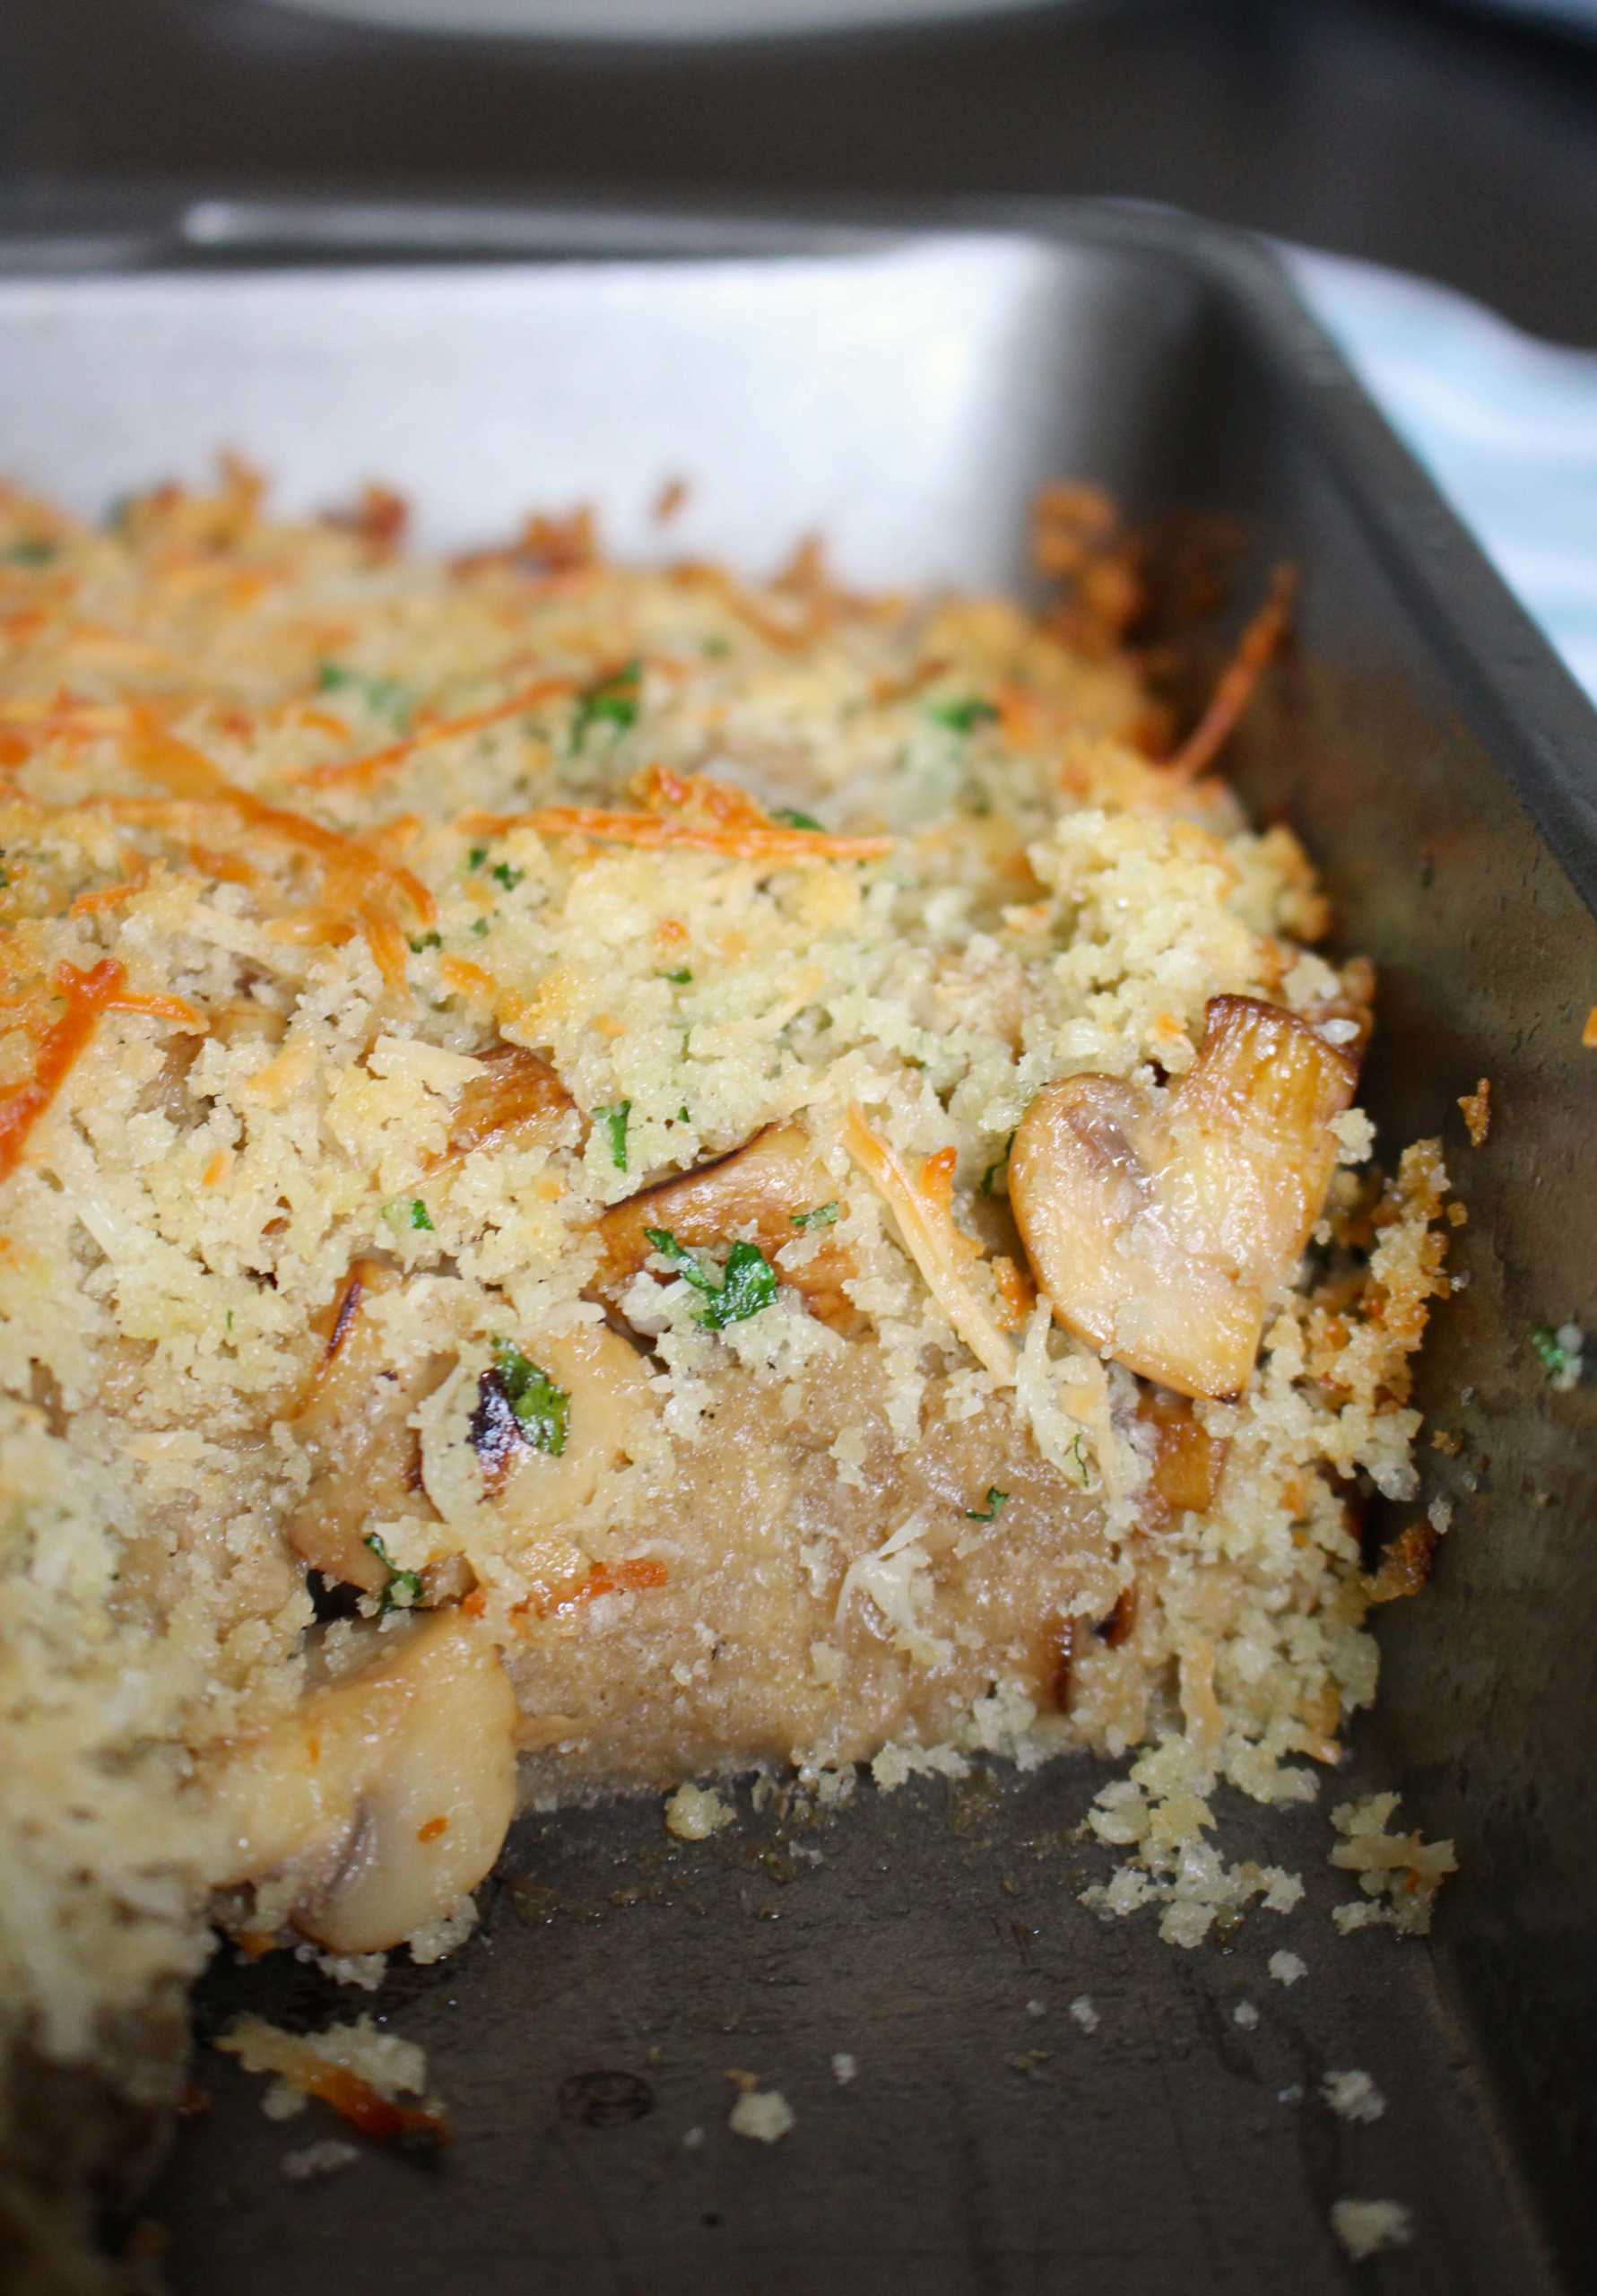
<point x="1366" y="2227"/>
<point x="1084" y="2013"/>
<point x="762" y="2115"/>
<point x="844" y="2067"/>
<point x="1245" y="2015"/>
<point x="1588" y="1035"/>
<point x="321" y="2159"/>
<point x="1285" y="1968"/>
<point x="1477" y="1110"/>
<point x="1400" y="1873"/>
<point x="1352" y="2096"/>
<point x="694" y="1812"/>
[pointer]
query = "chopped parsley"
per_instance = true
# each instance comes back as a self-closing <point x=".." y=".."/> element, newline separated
<point x="996" y="1501"/>
<point x="385" y="697"/>
<point x="716" y="650"/>
<point x="408" y="1212"/>
<point x="791" y="818"/>
<point x="613" y="702"/>
<point x="508" y="877"/>
<point x="681" y="977"/>
<point x="1078" y="1452"/>
<point x="404" y="1589"/>
<point x="419" y="1215"/>
<point x="614" y="1121"/>
<point x="543" y="1409"/>
<point x="1555" y="1357"/>
<point x="988" y="1183"/>
<point x="821" y="1215"/>
<point x="964" y="716"/>
<point x="480" y="925"/>
<point x="748" y="1281"/>
<point x="476" y="857"/>
<point x="32" y="552"/>
<point x="420" y="941"/>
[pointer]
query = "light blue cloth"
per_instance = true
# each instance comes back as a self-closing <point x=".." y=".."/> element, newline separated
<point x="1506" y="426"/>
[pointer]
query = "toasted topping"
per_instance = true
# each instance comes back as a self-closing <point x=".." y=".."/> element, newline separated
<point x="922" y="1204"/>
<point x="1161" y="1223"/>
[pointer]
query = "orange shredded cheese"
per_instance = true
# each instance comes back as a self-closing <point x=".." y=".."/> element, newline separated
<point x="782" y="847"/>
<point x="360" y="773"/>
<point x="87" y="995"/>
<point x="1239" y="682"/>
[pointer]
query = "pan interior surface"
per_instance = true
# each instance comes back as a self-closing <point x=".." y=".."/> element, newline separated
<point x="907" y="401"/>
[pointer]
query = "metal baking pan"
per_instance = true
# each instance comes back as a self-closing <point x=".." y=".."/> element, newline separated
<point x="904" y="389"/>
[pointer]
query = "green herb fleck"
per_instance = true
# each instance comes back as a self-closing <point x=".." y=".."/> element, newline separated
<point x="962" y="717"/>
<point x="543" y="1409"/>
<point x="385" y="697"/>
<point x="404" y="1589"/>
<point x="508" y="877"/>
<point x="1555" y="1358"/>
<point x="419" y="1215"/>
<point x="996" y="1501"/>
<point x="748" y="1281"/>
<point x="791" y="818"/>
<point x="229" y="1319"/>
<point x="988" y="1183"/>
<point x="821" y="1216"/>
<point x="420" y="941"/>
<point x="480" y="927"/>
<point x="717" y="648"/>
<point x="1078" y="1451"/>
<point x="476" y="857"/>
<point x="682" y="1116"/>
<point x="613" y="702"/>
<point x="614" y="1121"/>
<point x="681" y="977"/>
<point x="32" y="552"/>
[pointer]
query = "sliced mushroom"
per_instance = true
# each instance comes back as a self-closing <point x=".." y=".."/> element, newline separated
<point x="475" y="1450"/>
<point x="386" y="1796"/>
<point x="353" y="1423"/>
<point x="1159" y="1223"/>
<point x="765" y="1186"/>
<point x="516" y="1097"/>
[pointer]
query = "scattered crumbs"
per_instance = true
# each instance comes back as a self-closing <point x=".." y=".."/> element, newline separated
<point x="281" y="2100"/>
<point x="1439" y="1515"/>
<point x="1292" y="2094"/>
<point x="1442" y="1440"/>
<point x="692" y="2139"/>
<point x="1083" y="2012"/>
<point x="366" y="1970"/>
<point x="762" y="2115"/>
<point x="1477" y="1107"/>
<point x="1352" y="2096"/>
<point x="1037" y="2008"/>
<point x="1245" y="2015"/>
<point x="1286" y="1968"/>
<point x="1400" y="1874"/>
<point x="694" y="1812"/>
<point x="1366" y="2227"/>
<point x="1588" y="1035"/>
<point x="323" y="2160"/>
<point x="844" y="2068"/>
<point x="1561" y="1353"/>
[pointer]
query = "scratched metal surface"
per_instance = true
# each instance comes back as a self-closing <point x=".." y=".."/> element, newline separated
<point x="906" y="392"/>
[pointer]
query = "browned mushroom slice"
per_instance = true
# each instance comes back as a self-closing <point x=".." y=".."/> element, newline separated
<point x="1159" y="1223"/>
<point x="518" y="1095"/>
<point x="353" y="1423"/>
<point x="767" y="1187"/>
<point x="383" y="1797"/>
<point x="1187" y="1460"/>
